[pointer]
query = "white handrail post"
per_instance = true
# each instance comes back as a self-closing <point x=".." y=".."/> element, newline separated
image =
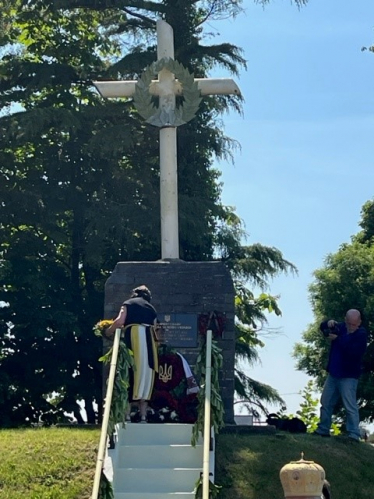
<point x="104" y="424"/>
<point x="207" y="433"/>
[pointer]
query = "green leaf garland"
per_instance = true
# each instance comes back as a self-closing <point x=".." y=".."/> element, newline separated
<point x="105" y="488"/>
<point x="120" y="399"/>
<point x="216" y="404"/>
<point x="213" y="489"/>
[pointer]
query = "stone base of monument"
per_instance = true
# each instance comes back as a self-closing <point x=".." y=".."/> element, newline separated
<point x="181" y="293"/>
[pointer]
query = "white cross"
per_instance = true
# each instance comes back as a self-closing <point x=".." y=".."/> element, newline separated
<point x="166" y="88"/>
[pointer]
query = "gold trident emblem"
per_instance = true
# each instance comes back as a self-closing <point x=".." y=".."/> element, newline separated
<point x="165" y="373"/>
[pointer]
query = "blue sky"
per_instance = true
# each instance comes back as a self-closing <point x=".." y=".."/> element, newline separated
<point x="306" y="162"/>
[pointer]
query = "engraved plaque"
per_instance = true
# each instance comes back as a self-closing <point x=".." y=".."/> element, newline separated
<point x="178" y="330"/>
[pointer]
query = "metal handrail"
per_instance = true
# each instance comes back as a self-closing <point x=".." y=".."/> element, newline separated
<point x="207" y="433"/>
<point x="104" y="425"/>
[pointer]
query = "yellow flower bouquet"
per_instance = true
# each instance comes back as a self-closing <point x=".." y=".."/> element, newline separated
<point x="100" y="328"/>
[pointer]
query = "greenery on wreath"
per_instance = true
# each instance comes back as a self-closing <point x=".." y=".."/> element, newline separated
<point x="144" y="102"/>
<point x="216" y="404"/>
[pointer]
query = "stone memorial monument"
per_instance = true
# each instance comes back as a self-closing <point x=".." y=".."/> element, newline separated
<point x="182" y="291"/>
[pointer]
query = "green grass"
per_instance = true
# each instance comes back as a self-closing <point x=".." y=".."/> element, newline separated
<point x="59" y="463"/>
<point x="248" y="466"/>
<point x="47" y="463"/>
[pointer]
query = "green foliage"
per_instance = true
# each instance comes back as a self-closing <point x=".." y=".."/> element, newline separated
<point x="345" y="281"/>
<point x="120" y="401"/>
<point x="308" y="411"/>
<point x="106" y="488"/>
<point x="213" y="489"/>
<point x="216" y="404"/>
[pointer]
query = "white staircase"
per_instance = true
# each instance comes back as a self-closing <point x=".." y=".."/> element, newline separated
<point x="155" y="461"/>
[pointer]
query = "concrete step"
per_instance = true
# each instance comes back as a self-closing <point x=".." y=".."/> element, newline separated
<point x="161" y="480"/>
<point x="160" y="456"/>
<point x="155" y="434"/>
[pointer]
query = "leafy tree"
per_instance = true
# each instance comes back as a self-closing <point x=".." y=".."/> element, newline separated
<point x="345" y="281"/>
<point x="79" y="187"/>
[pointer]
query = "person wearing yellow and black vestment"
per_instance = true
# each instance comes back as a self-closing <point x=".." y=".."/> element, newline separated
<point x="139" y="318"/>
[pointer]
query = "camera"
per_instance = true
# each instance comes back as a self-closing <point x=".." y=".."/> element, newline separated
<point x="330" y="330"/>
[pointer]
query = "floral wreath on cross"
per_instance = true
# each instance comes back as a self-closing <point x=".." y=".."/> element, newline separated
<point x="143" y="99"/>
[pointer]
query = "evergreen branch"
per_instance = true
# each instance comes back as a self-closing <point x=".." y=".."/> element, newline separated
<point x="254" y="391"/>
<point x="146" y="5"/>
<point x="221" y="9"/>
<point x="246" y="352"/>
<point x="208" y="14"/>
<point x="224" y="54"/>
<point x="247" y="402"/>
<point x="150" y="22"/>
<point x="129" y="65"/>
<point x="27" y="125"/>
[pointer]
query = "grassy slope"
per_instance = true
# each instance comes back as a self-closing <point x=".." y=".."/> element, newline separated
<point x="248" y="465"/>
<point x="55" y="463"/>
<point x="59" y="463"/>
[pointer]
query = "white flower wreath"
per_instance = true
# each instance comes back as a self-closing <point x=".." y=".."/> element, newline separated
<point x="158" y="116"/>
